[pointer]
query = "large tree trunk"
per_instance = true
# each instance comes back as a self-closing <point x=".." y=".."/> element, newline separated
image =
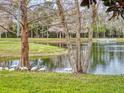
<point x="90" y="41"/>
<point x="69" y="45"/>
<point x="24" y="35"/>
<point x="78" y="41"/>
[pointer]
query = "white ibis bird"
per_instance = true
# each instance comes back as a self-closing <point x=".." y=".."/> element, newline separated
<point x="11" y="69"/>
<point x="43" y="69"/>
<point x="6" y="68"/>
<point x="67" y="69"/>
<point x="34" y="68"/>
<point x="23" y="68"/>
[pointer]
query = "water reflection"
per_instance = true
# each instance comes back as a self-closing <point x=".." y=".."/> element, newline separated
<point x="52" y="64"/>
<point x="106" y="59"/>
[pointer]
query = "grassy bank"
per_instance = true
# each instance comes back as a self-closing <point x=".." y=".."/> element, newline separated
<point x="58" y="40"/>
<point x="20" y="82"/>
<point x="11" y="48"/>
<point x="36" y="40"/>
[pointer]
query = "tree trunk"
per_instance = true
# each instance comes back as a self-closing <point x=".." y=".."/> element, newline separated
<point x="69" y="46"/>
<point x="6" y="35"/>
<point x="24" y="35"/>
<point x="0" y="34"/>
<point x="78" y="43"/>
<point x="31" y="33"/>
<point x="90" y="41"/>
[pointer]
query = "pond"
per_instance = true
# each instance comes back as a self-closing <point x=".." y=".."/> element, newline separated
<point x="106" y="58"/>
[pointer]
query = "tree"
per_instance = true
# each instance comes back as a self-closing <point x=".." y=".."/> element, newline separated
<point x="92" y="5"/>
<point x="24" y="35"/>
<point x="78" y="41"/>
<point x="65" y="27"/>
<point x="4" y="18"/>
<point x="23" y="23"/>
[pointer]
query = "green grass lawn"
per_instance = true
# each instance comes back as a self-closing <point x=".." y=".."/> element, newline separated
<point x="11" y="48"/>
<point x="31" y="82"/>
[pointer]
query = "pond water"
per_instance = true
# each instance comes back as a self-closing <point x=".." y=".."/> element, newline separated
<point x="106" y="58"/>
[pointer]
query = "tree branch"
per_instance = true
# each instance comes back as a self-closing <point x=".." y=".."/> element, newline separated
<point x="7" y="29"/>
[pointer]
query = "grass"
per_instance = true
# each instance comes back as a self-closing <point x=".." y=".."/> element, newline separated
<point x="120" y="39"/>
<point x="57" y="40"/>
<point x="37" y="40"/>
<point x="11" y="48"/>
<point x="32" y="82"/>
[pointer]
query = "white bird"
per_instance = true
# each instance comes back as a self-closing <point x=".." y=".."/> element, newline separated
<point x="1" y="68"/>
<point x="14" y="66"/>
<point x="11" y="69"/>
<point x="42" y="69"/>
<point x="23" y="68"/>
<point x="34" y="68"/>
<point x="68" y="69"/>
<point x="6" y="68"/>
